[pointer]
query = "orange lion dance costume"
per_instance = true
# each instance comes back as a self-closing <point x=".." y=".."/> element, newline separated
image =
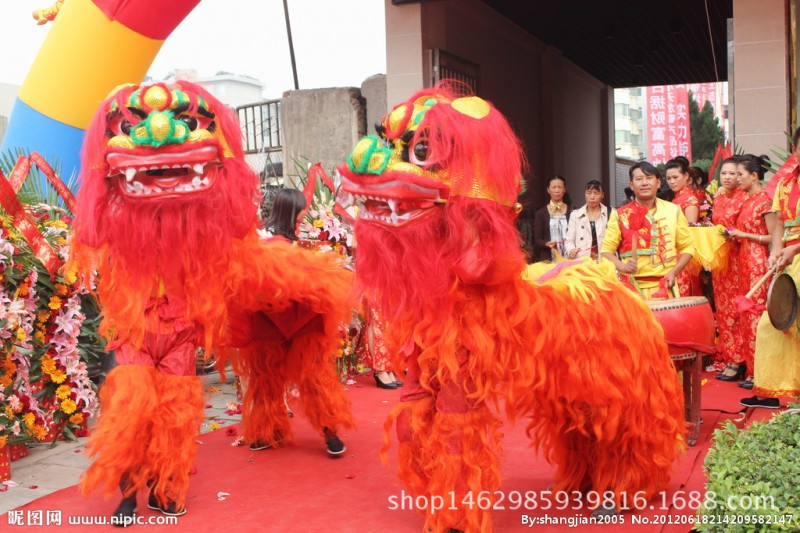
<point x="440" y="255"/>
<point x="167" y="217"/>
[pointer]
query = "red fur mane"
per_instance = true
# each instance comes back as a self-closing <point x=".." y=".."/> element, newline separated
<point x="143" y="247"/>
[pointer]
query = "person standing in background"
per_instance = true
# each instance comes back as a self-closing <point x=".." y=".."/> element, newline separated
<point x="288" y="210"/>
<point x="650" y="235"/>
<point x="727" y="206"/>
<point x="754" y="225"/>
<point x="587" y="225"/>
<point x="682" y="184"/>
<point x="551" y="221"/>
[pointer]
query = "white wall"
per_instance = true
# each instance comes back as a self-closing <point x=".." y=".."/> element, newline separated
<point x="760" y="75"/>
<point x="557" y="109"/>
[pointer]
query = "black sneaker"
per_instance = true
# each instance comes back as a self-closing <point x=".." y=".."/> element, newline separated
<point x="768" y="403"/>
<point x="170" y="509"/>
<point x="334" y="444"/>
<point x="259" y="445"/>
<point x="747" y="384"/>
<point x="125" y="513"/>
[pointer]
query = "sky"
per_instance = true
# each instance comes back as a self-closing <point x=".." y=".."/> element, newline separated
<point x="337" y="43"/>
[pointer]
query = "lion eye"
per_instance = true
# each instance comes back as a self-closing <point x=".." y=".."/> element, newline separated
<point x="125" y="127"/>
<point x="190" y="122"/>
<point x="419" y="153"/>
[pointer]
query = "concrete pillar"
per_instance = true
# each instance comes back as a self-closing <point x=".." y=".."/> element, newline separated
<point x="760" y="75"/>
<point x="373" y="90"/>
<point x="405" y="61"/>
<point x="320" y="125"/>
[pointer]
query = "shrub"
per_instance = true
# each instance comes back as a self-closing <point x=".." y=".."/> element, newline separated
<point x="753" y="477"/>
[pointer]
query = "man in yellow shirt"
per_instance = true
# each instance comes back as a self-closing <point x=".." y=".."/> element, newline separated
<point x="661" y="238"/>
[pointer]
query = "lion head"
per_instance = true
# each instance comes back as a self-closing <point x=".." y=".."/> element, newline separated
<point x="165" y="192"/>
<point x="437" y="190"/>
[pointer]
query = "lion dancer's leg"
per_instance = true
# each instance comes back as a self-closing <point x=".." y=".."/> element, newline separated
<point x="323" y="399"/>
<point x="264" y="416"/>
<point x="152" y="409"/>
<point x="448" y="454"/>
<point x="176" y="423"/>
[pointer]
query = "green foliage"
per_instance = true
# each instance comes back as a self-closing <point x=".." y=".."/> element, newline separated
<point x="705" y="164"/>
<point x="37" y="189"/>
<point x="760" y="465"/>
<point x="780" y="155"/>
<point x="706" y="131"/>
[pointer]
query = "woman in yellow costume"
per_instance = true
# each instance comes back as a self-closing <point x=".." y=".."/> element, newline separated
<point x="777" y="357"/>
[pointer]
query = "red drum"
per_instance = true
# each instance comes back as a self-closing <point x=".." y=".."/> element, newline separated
<point x="689" y="328"/>
<point x="688" y="324"/>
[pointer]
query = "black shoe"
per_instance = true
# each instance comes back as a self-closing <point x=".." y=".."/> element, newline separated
<point x="746" y="384"/>
<point x="607" y="509"/>
<point x="259" y="445"/>
<point x="125" y="513"/>
<point x="334" y="444"/>
<point x="739" y="369"/>
<point x="381" y="385"/>
<point x="171" y="509"/>
<point x="769" y="403"/>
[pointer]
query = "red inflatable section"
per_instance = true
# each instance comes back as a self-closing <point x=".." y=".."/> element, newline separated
<point x="152" y="18"/>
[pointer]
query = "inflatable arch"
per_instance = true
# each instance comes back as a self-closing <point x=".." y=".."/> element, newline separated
<point x="93" y="46"/>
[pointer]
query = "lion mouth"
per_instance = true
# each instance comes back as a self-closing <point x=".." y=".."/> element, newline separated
<point x="393" y="202"/>
<point x="165" y="173"/>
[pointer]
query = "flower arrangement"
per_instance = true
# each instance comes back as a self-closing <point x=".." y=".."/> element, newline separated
<point x="327" y="228"/>
<point x="48" y="330"/>
<point x="349" y="356"/>
<point x="322" y="227"/>
<point x="47" y="341"/>
<point x="325" y="231"/>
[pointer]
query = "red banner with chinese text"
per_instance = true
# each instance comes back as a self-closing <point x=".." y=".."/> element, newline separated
<point x="668" y="131"/>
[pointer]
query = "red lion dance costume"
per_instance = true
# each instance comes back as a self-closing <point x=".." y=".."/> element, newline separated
<point x="439" y="254"/>
<point x="167" y="217"/>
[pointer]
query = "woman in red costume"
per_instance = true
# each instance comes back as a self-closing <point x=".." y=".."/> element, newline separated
<point x="753" y="229"/>
<point x="681" y="183"/>
<point x="439" y="257"/>
<point x="167" y="220"/>
<point x="727" y="206"/>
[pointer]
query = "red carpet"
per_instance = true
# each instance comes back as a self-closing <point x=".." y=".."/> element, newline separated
<point x="301" y="489"/>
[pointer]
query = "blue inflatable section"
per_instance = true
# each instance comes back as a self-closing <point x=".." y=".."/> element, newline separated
<point x="57" y="142"/>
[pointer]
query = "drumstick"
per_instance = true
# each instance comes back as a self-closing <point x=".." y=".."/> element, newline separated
<point x="762" y="281"/>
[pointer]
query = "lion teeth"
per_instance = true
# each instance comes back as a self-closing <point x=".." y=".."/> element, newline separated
<point x="198" y="168"/>
<point x="130" y="173"/>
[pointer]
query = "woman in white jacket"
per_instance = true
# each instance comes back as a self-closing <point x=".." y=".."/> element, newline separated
<point x="587" y="225"/>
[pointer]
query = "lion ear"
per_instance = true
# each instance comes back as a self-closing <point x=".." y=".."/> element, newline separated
<point x="472" y="106"/>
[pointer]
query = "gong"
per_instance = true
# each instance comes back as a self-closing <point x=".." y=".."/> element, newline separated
<point x="782" y="302"/>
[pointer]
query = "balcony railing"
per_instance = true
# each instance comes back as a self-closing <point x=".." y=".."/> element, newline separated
<point x="261" y="130"/>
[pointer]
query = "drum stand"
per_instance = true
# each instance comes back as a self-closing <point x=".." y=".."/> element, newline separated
<point x="691" y="364"/>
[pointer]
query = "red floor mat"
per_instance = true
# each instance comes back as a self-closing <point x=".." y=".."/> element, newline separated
<point x="302" y="489"/>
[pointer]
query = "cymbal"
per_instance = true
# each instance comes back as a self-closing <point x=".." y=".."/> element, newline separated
<point x="782" y="302"/>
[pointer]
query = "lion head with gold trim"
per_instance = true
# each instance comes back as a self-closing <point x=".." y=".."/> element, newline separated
<point x="437" y="192"/>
